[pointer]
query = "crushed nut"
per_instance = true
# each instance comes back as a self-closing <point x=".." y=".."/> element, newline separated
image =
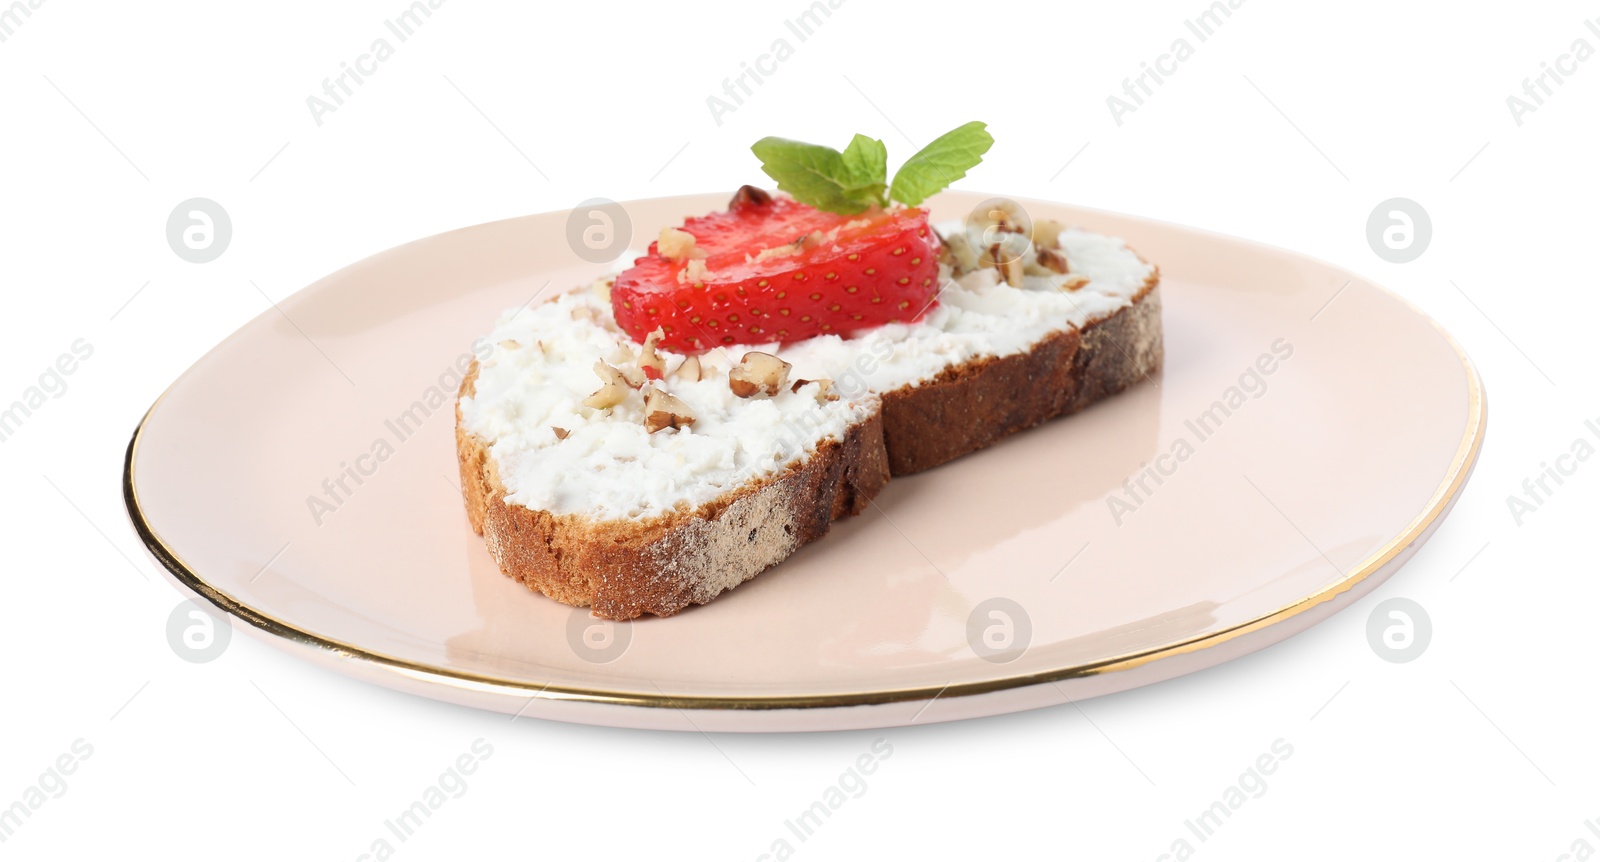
<point x="689" y="369"/>
<point x="602" y="287"/>
<point x="1074" y="282"/>
<point x="1003" y="216"/>
<point x="749" y="196"/>
<point x="561" y="433"/>
<point x="824" y="389"/>
<point x="650" y="362"/>
<point x="695" y="272"/>
<point x="999" y="236"/>
<point x="758" y="372"/>
<point x="958" y="252"/>
<point x="1004" y="221"/>
<point x="509" y="344"/>
<point x="1008" y="265"/>
<point x="633" y="376"/>
<point x="662" y="410"/>
<point x="1047" y="233"/>
<point x="676" y="244"/>
<point x="614" y="388"/>
<point x="1054" y="260"/>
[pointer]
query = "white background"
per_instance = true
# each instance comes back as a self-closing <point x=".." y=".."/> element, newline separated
<point x="1288" y="126"/>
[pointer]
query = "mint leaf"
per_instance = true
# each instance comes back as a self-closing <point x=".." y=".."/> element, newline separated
<point x="823" y="177"/>
<point x="940" y="163"/>
<point x="855" y="179"/>
<point x="867" y="161"/>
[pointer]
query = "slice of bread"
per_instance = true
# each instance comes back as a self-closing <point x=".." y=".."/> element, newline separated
<point x="588" y="507"/>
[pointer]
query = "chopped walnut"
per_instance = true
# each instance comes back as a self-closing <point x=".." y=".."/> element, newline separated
<point x="633" y="376"/>
<point x="561" y="433"/>
<point x="1008" y="264"/>
<point x="676" y="244"/>
<point x="509" y="344"/>
<point x="825" y="391"/>
<point x="1074" y="282"/>
<point x="696" y="272"/>
<point x="1054" y="260"/>
<point x="602" y="287"/>
<point x="1047" y="233"/>
<point x="1007" y="218"/>
<point x="649" y="359"/>
<point x="689" y="369"/>
<point x="957" y="251"/>
<point x="662" y="410"/>
<point x="614" y="388"/>
<point x="758" y="372"/>
<point x="999" y="237"/>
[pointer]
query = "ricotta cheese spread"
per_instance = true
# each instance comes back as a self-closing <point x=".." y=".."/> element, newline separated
<point x="604" y="463"/>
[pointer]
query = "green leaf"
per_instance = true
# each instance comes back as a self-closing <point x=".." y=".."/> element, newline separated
<point x="940" y="163"/>
<point x="819" y="176"/>
<point x="867" y="162"/>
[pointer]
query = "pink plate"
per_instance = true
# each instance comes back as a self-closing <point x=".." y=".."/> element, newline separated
<point x="1155" y="534"/>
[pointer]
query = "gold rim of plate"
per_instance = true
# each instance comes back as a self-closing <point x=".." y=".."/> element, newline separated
<point x="1460" y="466"/>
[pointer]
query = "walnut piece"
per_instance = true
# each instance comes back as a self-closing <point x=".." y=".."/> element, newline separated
<point x="613" y="388"/>
<point x="957" y="251"/>
<point x="825" y="390"/>
<point x="633" y="376"/>
<point x="676" y="244"/>
<point x="689" y="369"/>
<point x="1074" y="282"/>
<point x="1047" y="233"/>
<point x="758" y="372"/>
<point x="662" y="410"/>
<point x="999" y="237"/>
<point x="561" y="433"/>
<point x="696" y="272"/>
<point x="1007" y="264"/>
<point x="649" y="359"/>
<point x="602" y="287"/>
<point x="1053" y="260"/>
<point x="1007" y="217"/>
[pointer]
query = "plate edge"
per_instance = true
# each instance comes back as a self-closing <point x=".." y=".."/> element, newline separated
<point x="1461" y="464"/>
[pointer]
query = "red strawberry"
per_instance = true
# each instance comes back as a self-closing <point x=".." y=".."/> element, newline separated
<point x="772" y="269"/>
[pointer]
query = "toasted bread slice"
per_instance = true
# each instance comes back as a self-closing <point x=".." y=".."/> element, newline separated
<point x="626" y="521"/>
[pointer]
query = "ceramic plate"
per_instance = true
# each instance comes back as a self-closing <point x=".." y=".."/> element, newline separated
<point x="1308" y="434"/>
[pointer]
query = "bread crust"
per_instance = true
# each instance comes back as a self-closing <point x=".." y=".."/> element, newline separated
<point x="976" y="404"/>
<point x="660" y="565"/>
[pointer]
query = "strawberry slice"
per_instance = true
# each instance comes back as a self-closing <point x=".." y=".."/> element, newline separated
<point x="775" y="270"/>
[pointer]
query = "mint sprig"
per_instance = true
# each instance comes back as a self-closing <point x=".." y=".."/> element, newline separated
<point x="856" y="179"/>
<point x="867" y="161"/>
<point x="817" y="175"/>
<point x="940" y="163"/>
